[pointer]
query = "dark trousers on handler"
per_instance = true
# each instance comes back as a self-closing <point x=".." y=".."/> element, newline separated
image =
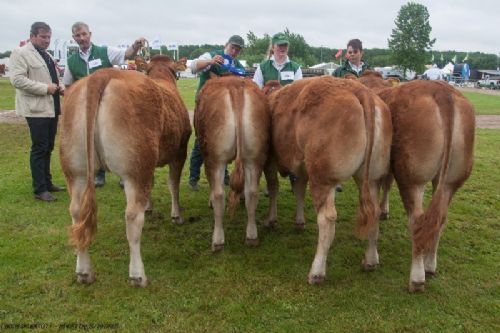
<point x="43" y="133"/>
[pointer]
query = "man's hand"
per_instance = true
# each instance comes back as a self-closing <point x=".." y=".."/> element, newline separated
<point x="139" y="42"/>
<point x="217" y="60"/>
<point x="52" y="88"/>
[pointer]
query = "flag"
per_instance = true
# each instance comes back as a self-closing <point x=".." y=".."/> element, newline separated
<point x="454" y="59"/>
<point x="338" y="54"/>
<point x="466" y="57"/>
<point x="173" y="46"/>
<point x="156" y="43"/>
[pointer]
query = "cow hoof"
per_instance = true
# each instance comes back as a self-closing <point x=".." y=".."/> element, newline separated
<point x="138" y="281"/>
<point x="416" y="287"/>
<point x="384" y="216"/>
<point x="270" y="223"/>
<point x="316" y="279"/>
<point x="429" y="275"/>
<point x="252" y="242"/>
<point x="368" y="267"/>
<point x="300" y="226"/>
<point x="149" y="207"/>
<point x="85" y="278"/>
<point x="217" y="247"/>
<point x="177" y="220"/>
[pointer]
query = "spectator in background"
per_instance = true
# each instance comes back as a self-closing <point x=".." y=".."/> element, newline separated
<point x="216" y="62"/>
<point x="434" y="73"/>
<point x="278" y="66"/>
<point x="354" y="64"/>
<point x="90" y="58"/>
<point x="34" y="75"/>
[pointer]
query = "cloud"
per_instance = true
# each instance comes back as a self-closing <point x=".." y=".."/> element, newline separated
<point x="460" y="25"/>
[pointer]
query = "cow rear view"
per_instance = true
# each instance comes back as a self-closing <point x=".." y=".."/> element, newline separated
<point x="324" y="131"/>
<point x="232" y="122"/>
<point x="125" y="122"/>
<point x="433" y="141"/>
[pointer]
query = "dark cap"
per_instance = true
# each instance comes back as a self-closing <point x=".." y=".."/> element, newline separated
<point x="280" y="39"/>
<point x="236" y="40"/>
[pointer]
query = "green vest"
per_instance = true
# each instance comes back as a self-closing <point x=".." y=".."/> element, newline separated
<point x="79" y="68"/>
<point x="347" y="69"/>
<point x="217" y="70"/>
<point x="269" y="72"/>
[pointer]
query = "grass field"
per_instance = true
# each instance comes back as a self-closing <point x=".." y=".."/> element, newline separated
<point x="484" y="104"/>
<point x="242" y="289"/>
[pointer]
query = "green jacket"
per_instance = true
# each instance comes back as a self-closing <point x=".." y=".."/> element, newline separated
<point x="269" y="72"/>
<point x="79" y="68"/>
<point x="217" y="70"/>
<point x="347" y="69"/>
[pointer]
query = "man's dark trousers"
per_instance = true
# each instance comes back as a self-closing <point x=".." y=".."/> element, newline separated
<point x="43" y="134"/>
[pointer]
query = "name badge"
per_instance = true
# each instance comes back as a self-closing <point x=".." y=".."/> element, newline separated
<point x="287" y="75"/>
<point x="95" y="63"/>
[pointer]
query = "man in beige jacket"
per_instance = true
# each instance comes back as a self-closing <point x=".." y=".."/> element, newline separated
<point x="34" y="75"/>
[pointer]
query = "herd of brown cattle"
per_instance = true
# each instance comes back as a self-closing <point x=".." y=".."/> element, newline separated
<point x="323" y="130"/>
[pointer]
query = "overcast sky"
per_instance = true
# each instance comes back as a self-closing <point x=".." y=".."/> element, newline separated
<point x="461" y="25"/>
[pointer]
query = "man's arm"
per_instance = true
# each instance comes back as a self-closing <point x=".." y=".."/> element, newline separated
<point x="132" y="50"/>
<point x="19" y="75"/>
<point x="67" y="77"/>
<point x="204" y="62"/>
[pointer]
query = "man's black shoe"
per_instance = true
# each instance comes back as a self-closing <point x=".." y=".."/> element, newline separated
<point x="45" y="196"/>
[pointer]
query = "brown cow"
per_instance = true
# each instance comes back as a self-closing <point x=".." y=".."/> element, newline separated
<point x="2" y="69"/>
<point x="433" y="140"/>
<point x="128" y="123"/>
<point x="232" y="121"/>
<point x="326" y="130"/>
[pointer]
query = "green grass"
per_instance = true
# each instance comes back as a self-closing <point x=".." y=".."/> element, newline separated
<point x="7" y="94"/>
<point x="484" y="104"/>
<point x="243" y="289"/>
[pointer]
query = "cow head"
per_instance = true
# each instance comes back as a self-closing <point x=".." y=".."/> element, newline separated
<point x="350" y="76"/>
<point x="140" y="63"/>
<point x="376" y="82"/>
<point x="271" y="86"/>
<point x="160" y="65"/>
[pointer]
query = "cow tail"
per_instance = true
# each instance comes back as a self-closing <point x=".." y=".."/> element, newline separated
<point x="367" y="210"/>
<point x="237" y="178"/>
<point x="425" y="229"/>
<point x="83" y="231"/>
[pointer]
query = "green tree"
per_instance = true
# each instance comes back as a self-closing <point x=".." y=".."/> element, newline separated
<point x="410" y="39"/>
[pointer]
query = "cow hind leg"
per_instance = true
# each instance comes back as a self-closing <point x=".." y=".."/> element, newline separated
<point x="430" y="254"/>
<point x="84" y="273"/>
<point x="299" y="190"/>
<point x="175" y="170"/>
<point x="134" y="216"/>
<point x="215" y="175"/>
<point x="384" y="204"/>
<point x="252" y="176"/>
<point x="413" y="201"/>
<point x="371" y="259"/>
<point x="327" y="215"/>
<point x="271" y="174"/>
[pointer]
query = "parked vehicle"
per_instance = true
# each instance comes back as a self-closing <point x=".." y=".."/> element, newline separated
<point x="489" y="82"/>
